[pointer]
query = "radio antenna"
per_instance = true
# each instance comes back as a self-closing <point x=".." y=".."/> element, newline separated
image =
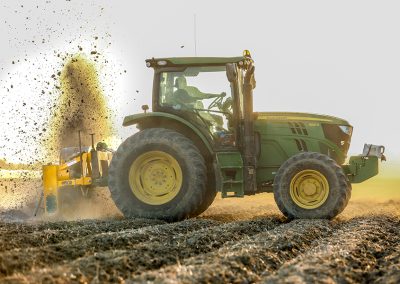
<point x="195" y="35"/>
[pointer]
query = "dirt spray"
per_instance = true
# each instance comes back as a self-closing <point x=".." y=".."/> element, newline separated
<point x="81" y="106"/>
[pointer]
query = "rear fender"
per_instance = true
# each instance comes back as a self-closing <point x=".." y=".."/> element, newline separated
<point x="171" y="121"/>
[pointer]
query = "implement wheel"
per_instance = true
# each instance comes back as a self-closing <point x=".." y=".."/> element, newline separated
<point x="312" y="186"/>
<point x="158" y="173"/>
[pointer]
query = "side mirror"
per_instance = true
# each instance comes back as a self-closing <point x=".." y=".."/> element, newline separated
<point x="231" y="72"/>
<point x="145" y="108"/>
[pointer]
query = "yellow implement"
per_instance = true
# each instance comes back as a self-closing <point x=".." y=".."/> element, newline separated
<point x="79" y="167"/>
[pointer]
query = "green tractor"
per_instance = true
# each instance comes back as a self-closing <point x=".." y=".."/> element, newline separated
<point x="203" y="137"/>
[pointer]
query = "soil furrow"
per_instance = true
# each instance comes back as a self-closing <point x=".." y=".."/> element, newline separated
<point x="45" y="236"/>
<point x="349" y="255"/>
<point x="15" y="228"/>
<point x="243" y="261"/>
<point x="19" y="261"/>
<point x="112" y="266"/>
<point x="388" y="269"/>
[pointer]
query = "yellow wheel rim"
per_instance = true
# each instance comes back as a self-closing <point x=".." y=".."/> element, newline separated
<point x="309" y="189"/>
<point x="155" y="177"/>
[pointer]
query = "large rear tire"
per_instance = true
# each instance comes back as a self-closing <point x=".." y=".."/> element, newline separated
<point x="211" y="193"/>
<point x="158" y="173"/>
<point x="311" y="186"/>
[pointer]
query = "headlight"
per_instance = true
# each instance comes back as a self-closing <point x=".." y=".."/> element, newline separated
<point x="162" y="62"/>
<point x="346" y="129"/>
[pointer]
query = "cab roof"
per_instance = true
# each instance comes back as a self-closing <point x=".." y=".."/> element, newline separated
<point x="189" y="61"/>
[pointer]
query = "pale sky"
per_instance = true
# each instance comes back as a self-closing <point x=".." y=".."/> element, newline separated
<point x="340" y="58"/>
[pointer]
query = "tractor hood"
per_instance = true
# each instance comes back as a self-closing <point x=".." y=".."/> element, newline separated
<point x="298" y="116"/>
<point x="325" y="134"/>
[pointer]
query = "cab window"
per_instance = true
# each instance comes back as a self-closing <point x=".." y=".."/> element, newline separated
<point x="204" y="90"/>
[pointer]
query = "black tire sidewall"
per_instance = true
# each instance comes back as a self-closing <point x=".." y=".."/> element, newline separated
<point x="210" y="193"/>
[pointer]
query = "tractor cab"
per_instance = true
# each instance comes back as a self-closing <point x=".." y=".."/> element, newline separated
<point x="190" y="91"/>
<point x="208" y="92"/>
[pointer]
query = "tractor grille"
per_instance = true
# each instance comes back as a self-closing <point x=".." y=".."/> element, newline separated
<point x="298" y="128"/>
<point x="301" y="145"/>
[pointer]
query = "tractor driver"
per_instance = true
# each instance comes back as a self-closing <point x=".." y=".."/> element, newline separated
<point x="192" y="96"/>
<point x="195" y="93"/>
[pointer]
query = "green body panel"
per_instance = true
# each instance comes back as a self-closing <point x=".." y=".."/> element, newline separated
<point x="284" y="134"/>
<point x="361" y="168"/>
<point x="138" y="118"/>
<point x="230" y="165"/>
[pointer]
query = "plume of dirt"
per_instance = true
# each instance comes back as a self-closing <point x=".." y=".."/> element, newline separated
<point x="81" y="106"/>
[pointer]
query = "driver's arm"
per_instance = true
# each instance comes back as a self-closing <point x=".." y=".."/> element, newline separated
<point x="194" y="92"/>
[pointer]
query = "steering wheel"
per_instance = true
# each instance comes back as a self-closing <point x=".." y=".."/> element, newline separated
<point x="217" y="102"/>
<point x="227" y="105"/>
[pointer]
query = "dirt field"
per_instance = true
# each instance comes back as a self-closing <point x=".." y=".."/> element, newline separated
<point x="237" y="240"/>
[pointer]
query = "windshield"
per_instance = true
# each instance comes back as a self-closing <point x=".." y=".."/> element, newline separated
<point x="204" y="90"/>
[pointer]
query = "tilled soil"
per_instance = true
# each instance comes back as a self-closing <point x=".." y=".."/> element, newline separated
<point x="350" y="255"/>
<point x="252" y="243"/>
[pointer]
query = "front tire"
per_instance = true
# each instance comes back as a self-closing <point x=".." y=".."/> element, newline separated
<point x="158" y="173"/>
<point x="311" y="186"/>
